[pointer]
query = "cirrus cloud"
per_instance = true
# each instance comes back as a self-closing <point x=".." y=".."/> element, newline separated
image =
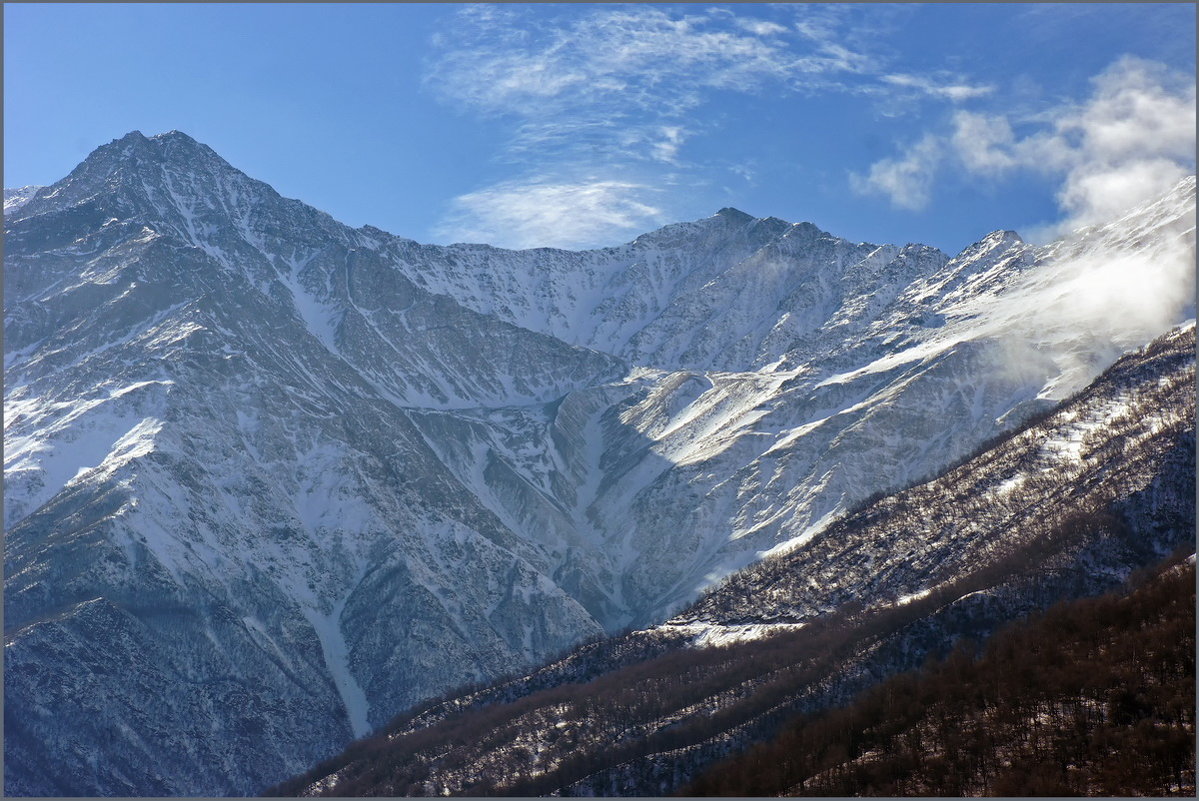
<point x="624" y="59"/>
<point x="544" y="212"/>
<point x="946" y="87"/>
<point x="617" y="92"/>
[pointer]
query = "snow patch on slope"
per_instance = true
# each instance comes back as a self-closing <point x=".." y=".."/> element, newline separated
<point x="319" y="318"/>
<point x="715" y="635"/>
<point x="16" y="198"/>
<point x="50" y="445"/>
<point x="333" y="646"/>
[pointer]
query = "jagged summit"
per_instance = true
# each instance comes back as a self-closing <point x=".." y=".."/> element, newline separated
<point x="734" y="215"/>
<point x="176" y="134"/>
<point x="160" y="177"/>
<point x="163" y="147"/>
<point x="1004" y="236"/>
<point x="145" y="165"/>
<point x="171" y="135"/>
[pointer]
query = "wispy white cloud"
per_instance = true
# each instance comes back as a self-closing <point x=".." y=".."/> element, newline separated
<point x="983" y="142"/>
<point x="667" y="148"/>
<point x="1095" y="300"/>
<point x="628" y="57"/>
<point x="759" y="27"/>
<point x="542" y="212"/>
<point x="747" y="171"/>
<point x="1130" y="142"/>
<point x="948" y="88"/>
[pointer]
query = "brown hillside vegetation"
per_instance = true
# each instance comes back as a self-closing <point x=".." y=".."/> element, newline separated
<point x="1094" y="697"/>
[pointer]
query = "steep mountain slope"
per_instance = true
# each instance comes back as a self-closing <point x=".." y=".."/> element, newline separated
<point x="1069" y="506"/>
<point x="249" y="447"/>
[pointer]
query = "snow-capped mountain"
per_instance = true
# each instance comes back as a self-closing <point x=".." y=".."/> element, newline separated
<point x="270" y="479"/>
<point x="1067" y="506"/>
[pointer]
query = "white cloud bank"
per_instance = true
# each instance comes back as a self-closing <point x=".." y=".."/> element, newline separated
<point x="1129" y="143"/>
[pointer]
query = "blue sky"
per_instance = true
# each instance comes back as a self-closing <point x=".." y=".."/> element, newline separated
<point x="583" y="125"/>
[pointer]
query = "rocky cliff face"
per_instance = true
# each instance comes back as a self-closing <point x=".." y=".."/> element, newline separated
<point x="270" y="479"/>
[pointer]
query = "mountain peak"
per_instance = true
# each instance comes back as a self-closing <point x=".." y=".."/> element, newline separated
<point x="1002" y="237"/>
<point x="733" y="215"/>
<point x="534" y="434"/>
<point x="133" y="165"/>
<point x="137" y="136"/>
<point x="175" y="135"/>
<point x="160" y="147"/>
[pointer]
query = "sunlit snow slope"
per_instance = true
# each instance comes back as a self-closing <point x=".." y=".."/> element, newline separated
<point x="270" y="479"/>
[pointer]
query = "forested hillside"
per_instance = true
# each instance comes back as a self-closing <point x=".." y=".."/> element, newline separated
<point x="1095" y="697"/>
